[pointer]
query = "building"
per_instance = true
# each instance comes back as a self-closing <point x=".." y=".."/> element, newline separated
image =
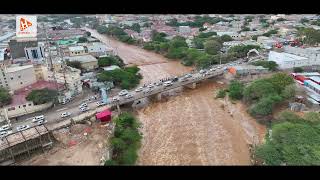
<point x="286" y="60"/>
<point x="184" y="29"/>
<point x="77" y="51"/>
<point x="310" y="53"/>
<point x="35" y="54"/>
<point x="15" y="77"/>
<point x="247" y="70"/>
<point x="88" y="62"/>
<point x="266" y="42"/>
<point x="98" y="49"/>
<point x="17" y="46"/>
<point x="234" y="35"/>
<point x="20" y="106"/>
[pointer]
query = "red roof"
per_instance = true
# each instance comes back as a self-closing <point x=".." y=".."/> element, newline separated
<point x="104" y="115"/>
<point x="20" y="95"/>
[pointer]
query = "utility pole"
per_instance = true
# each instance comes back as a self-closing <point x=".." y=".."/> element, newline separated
<point x="50" y="66"/>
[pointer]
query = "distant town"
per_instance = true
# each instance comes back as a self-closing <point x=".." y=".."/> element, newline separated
<point x="159" y="89"/>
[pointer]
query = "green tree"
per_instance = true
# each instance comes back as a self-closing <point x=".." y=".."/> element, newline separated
<point x="212" y="47"/>
<point x="258" y="89"/>
<point x="74" y="64"/>
<point x="5" y="97"/>
<point x="82" y="40"/>
<point x="136" y="27"/>
<point x="297" y="69"/>
<point x="271" y="65"/>
<point x="102" y="29"/>
<point x="242" y="50"/>
<point x="199" y="43"/>
<point x="265" y="105"/>
<point x="221" y="93"/>
<point x="269" y="33"/>
<point x="41" y="96"/>
<point x="280" y="81"/>
<point x="236" y="90"/>
<point x="178" y="42"/>
<point x="202" y="29"/>
<point x="207" y="35"/>
<point x="289" y="91"/>
<point x="313" y="117"/>
<point x="226" y="38"/>
<point x="110" y="60"/>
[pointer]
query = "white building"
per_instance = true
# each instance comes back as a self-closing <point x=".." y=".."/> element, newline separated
<point x="311" y="53"/>
<point x="286" y="60"/>
<point x="234" y="35"/>
<point x="99" y="49"/>
<point x="16" y="77"/>
<point x="35" y="54"/>
<point x="77" y="51"/>
<point x="184" y="29"/>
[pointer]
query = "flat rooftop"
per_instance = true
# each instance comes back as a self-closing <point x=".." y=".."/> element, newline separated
<point x="18" y="68"/>
<point x="82" y="58"/>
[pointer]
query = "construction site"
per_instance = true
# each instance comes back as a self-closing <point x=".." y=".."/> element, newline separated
<point x="23" y="144"/>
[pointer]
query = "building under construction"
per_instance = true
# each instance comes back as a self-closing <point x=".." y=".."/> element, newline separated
<point x="23" y="144"/>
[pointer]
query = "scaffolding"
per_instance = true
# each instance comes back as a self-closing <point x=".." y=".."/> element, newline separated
<point x="23" y="144"/>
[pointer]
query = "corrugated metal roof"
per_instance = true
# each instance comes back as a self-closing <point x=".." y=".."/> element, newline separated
<point x="313" y="84"/>
<point x="315" y="78"/>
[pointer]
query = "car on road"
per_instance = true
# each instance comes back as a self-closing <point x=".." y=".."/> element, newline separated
<point x="183" y="79"/>
<point x="158" y="83"/>
<point x="150" y="86"/>
<point x="101" y="103"/>
<point x="148" y="90"/>
<point x="115" y="99"/>
<point x="65" y="114"/>
<point x="123" y="92"/>
<point x="38" y="118"/>
<point x="22" y="127"/>
<point x="4" y="133"/>
<point x="188" y="76"/>
<point x="5" y="127"/>
<point x="175" y="79"/>
<point x="202" y="71"/>
<point x="84" y="109"/>
<point x="83" y="105"/>
<point x="128" y="96"/>
<point x="139" y="89"/>
<point x="41" y="122"/>
<point x="168" y="83"/>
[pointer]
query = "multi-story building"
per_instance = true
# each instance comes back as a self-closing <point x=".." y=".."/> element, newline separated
<point x="77" y="51"/>
<point x="35" y="54"/>
<point x="17" y="46"/>
<point x="88" y="62"/>
<point x="99" y="49"/>
<point x="15" y="77"/>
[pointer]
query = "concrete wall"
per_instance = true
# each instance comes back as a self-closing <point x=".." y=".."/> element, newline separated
<point x="27" y="108"/>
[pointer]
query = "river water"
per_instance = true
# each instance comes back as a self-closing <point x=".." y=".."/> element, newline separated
<point x="192" y="128"/>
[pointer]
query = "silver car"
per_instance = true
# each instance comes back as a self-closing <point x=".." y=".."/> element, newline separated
<point x="22" y="127"/>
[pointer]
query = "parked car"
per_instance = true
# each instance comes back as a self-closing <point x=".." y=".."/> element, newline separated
<point x="175" y="79"/>
<point x="123" y="92"/>
<point x="183" y="79"/>
<point x="3" y="134"/>
<point x="188" y="76"/>
<point x="158" y="83"/>
<point x="139" y="89"/>
<point x="22" y="127"/>
<point x="65" y="114"/>
<point x="115" y="99"/>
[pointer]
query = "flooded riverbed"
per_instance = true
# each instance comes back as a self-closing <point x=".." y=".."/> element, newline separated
<point x="192" y="128"/>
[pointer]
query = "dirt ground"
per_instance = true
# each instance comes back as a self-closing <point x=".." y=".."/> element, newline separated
<point x="75" y="148"/>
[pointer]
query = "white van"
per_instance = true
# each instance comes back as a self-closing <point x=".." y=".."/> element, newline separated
<point x="38" y="118"/>
<point x="167" y="83"/>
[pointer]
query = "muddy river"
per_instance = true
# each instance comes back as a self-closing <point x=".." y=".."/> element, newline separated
<point x="192" y="128"/>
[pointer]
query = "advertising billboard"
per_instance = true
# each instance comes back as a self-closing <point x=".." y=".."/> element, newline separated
<point x="26" y="26"/>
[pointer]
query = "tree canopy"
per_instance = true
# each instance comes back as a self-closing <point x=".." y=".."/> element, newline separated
<point x="212" y="47"/>
<point x="41" y="96"/>
<point x="5" y="97"/>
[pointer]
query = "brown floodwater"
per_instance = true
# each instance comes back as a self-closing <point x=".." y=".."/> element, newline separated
<point x="191" y="128"/>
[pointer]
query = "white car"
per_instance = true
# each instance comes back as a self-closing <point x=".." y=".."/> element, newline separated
<point x="202" y="71"/>
<point x="83" y="105"/>
<point x="123" y="92"/>
<point x="5" y="127"/>
<point x="168" y="83"/>
<point x="188" y="76"/>
<point x="147" y="90"/>
<point x="65" y="114"/>
<point x="128" y="96"/>
<point x="219" y="67"/>
<point x="101" y="103"/>
<point x="139" y="89"/>
<point x="84" y="109"/>
<point x="158" y="83"/>
<point x="22" y="127"/>
<point x="150" y="86"/>
<point x="3" y="134"/>
<point x="38" y="118"/>
<point x="115" y="99"/>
